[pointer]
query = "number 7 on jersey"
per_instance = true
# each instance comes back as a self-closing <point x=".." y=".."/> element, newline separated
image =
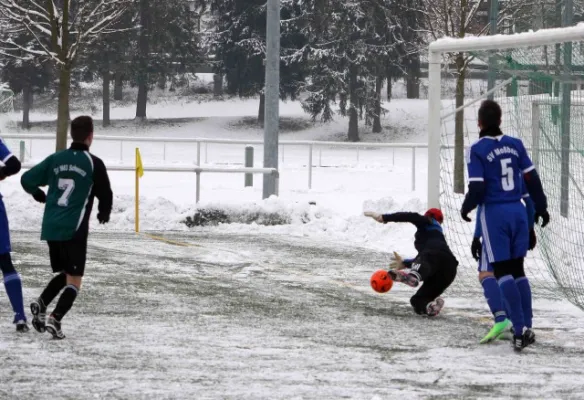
<point x="67" y="186"/>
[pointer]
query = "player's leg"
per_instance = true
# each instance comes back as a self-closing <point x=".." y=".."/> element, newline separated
<point x="497" y="237"/>
<point x="420" y="270"/>
<point x="38" y="307"/>
<point x="12" y="281"/>
<point x="74" y="270"/>
<point x="519" y="251"/>
<point x="494" y="299"/>
<point x="426" y="301"/>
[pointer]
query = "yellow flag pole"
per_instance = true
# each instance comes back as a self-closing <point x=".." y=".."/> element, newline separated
<point x="137" y="199"/>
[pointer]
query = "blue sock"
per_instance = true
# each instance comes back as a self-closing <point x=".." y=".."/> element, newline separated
<point x="13" y="286"/>
<point x="494" y="298"/>
<point x="525" y="292"/>
<point x="513" y="297"/>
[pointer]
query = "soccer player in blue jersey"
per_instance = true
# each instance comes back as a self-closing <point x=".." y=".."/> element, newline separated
<point x="12" y="281"/>
<point x="491" y="289"/>
<point x="498" y="167"/>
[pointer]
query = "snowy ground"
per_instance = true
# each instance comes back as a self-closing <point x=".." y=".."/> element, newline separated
<point x="252" y="311"/>
<point x="263" y="317"/>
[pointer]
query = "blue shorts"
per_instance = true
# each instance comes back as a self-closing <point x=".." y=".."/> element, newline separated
<point x="4" y="230"/>
<point x="484" y="264"/>
<point x="505" y="231"/>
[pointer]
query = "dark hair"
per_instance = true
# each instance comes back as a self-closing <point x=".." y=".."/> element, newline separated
<point x="490" y="114"/>
<point x="81" y="128"/>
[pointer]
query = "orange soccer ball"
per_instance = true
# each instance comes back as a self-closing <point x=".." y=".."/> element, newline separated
<point x="381" y="282"/>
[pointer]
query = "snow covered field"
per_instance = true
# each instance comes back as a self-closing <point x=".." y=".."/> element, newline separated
<point x="268" y="312"/>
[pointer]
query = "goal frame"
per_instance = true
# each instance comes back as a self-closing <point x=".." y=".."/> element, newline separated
<point x="449" y="45"/>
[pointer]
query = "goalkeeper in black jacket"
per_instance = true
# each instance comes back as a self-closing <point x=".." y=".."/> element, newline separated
<point x="435" y="265"/>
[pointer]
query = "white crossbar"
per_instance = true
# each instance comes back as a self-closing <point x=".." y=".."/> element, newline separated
<point x="497" y="42"/>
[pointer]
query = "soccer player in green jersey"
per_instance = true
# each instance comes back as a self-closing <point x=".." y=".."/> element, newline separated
<point x="74" y="177"/>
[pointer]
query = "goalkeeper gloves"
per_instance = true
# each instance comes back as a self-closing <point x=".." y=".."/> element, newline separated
<point x="396" y="262"/>
<point x="476" y="248"/>
<point x="377" y="217"/>
<point x="532" y="239"/>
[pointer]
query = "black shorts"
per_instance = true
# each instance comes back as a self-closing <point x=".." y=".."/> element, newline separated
<point x="68" y="256"/>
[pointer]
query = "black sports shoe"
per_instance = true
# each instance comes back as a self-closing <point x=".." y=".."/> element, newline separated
<point x="54" y="328"/>
<point x="518" y="342"/>
<point x="21" y="326"/>
<point x="529" y="336"/>
<point x="522" y="341"/>
<point x="38" y="315"/>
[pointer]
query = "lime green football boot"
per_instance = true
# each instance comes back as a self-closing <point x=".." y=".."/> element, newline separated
<point x="497" y="330"/>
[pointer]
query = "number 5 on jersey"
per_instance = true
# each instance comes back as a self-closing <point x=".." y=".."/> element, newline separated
<point x="507" y="180"/>
<point x="67" y="186"/>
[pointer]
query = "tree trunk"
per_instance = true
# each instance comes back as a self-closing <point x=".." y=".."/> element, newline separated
<point x="26" y="105"/>
<point x="413" y="78"/>
<point x="459" y="127"/>
<point x="262" y="110"/>
<point x="377" y="111"/>
<point x="353" y="133"/>
<point x="118" y="86"/>
<point x="63" y="107"/>
<point x="389" y="88"/>
<point x="217" y="85"/>
<point x="106" y="96"/>
<point x="144" y="49"/>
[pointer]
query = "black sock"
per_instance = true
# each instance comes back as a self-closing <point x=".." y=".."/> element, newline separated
<point x="52" y="290"/>
<point x="65" y="302"/>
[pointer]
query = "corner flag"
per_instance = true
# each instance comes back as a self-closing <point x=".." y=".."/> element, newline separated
<point x="139" y="166"/>
<point x="139" y="174"/>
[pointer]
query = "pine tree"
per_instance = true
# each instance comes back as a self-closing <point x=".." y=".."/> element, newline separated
<point x="352" y="44"/>
<point x="238" y="42"/>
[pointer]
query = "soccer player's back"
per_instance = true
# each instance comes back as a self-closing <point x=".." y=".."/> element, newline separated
<point x="498" y="166"/>
<point x="74" y="177"/>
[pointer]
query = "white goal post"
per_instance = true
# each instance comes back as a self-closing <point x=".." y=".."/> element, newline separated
<point x="440" y="47"/>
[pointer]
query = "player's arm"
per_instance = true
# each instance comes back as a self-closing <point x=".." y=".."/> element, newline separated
<point x="530" y="209"/>
<point x="11" y="163"/>
<point x="534" y="185"/>
<point x="102" y="190"/>
<point x="411" y="217"/>
<point x="476" y="246"/>
<point x="36" y="177"/>
<point x="476" y="184"/>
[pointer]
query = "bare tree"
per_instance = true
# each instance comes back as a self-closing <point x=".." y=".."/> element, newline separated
<point x="458" y="18"/>
<point x="61" y="30"/>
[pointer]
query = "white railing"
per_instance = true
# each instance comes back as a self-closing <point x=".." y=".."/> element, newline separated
<point x="310" y="145"/>
<point x="192" y="168"/>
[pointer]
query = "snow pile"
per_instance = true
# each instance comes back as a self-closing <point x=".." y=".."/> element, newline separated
<point x="270" y="216"/>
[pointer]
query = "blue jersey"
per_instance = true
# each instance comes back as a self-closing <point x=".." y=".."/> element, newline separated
<point x="5" y="153"/>
<point x="500" y="162"/>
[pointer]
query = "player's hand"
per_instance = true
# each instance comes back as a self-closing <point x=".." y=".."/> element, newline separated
<point x="465" y="216"/>
<point x="396" y="262"/>
<point x="532" y="239"/>
<point x="103" y="218"/>
<point x="2" y="174"/>
<point x="377" y="217"/>
<point x="545" y="218"/>
<point x="40" y="196"/>
<point x="476" y="248"/>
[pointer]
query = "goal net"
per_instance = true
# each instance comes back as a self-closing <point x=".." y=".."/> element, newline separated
<point x="7" y="120"/>
<point x="538" y="79"/>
